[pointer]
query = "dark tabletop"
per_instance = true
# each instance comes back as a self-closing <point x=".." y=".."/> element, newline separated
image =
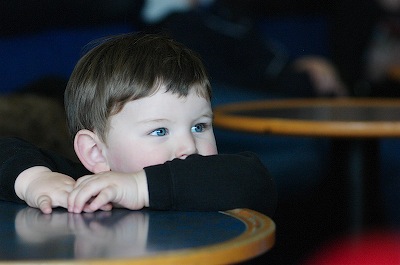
<point x="28" y="235"/>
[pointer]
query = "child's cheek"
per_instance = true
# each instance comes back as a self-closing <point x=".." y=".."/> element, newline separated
<point x="209" y="149"/>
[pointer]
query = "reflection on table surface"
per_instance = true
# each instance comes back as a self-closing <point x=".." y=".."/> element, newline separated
<point x="27" y="234"/>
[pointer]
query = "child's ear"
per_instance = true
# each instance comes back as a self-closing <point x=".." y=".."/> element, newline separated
<point x="88" y="148"/>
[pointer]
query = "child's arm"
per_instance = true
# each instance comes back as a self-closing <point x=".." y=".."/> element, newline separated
<point x="201" y="183"/>
<point x="25" y="175"/>
<point x="208" y="183"/>
<point x="30" y="174"/>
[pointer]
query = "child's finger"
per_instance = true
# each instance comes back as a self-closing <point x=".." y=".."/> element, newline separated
<point x="77" y="200"/>
<point x="107" y="207"/>
<point x="104" y="198"/>
<point x="82" y="196"/>
<point x="44" y="204"/>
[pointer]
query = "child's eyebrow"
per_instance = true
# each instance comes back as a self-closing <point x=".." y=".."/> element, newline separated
<point x="208" y="114"/>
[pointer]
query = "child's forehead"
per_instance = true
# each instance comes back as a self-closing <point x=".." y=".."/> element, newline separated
<point x="167" y="105"/>
<point x="200" y="91"/>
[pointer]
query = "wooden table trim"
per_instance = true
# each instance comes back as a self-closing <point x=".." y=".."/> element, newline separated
<point x="258" y="238"/>
<point x="223" y="118"/>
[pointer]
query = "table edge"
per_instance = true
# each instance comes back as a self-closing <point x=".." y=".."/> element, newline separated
<point x="293" y="127"/>
<point x="258" y="238"/>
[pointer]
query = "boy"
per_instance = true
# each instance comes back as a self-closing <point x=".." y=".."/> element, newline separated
<point x="139" y="108"/>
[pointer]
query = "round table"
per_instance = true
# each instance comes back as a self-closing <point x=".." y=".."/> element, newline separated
<point x="355" y="126"/>
<point x="123" y="236"/>
<point x="344" y="118"/>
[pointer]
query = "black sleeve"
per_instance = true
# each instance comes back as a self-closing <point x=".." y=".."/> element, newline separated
<point x="18" y="155"/>
<point x="210" y="183"/>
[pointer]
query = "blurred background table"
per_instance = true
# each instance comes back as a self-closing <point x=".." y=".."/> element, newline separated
<point x="136" y="237"/>
<point x="355" y="127"/>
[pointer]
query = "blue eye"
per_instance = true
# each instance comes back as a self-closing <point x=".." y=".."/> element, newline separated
<point x="200" y="127"/>
<point x="160" y="132"/>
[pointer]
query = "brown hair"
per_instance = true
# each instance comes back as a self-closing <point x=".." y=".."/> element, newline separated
<point x="128" y="67"/>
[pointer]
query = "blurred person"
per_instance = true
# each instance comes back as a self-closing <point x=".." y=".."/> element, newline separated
<point x="225" y="33"/>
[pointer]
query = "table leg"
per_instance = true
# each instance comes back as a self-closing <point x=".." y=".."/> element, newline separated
<point x="356" y="164"/>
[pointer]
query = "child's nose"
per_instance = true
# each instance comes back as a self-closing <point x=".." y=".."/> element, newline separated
<point x="186" y="145"/>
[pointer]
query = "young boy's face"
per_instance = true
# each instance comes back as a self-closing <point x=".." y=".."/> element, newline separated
<point x="155" y="129"/>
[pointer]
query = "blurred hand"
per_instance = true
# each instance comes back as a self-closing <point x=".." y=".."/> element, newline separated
<point x="323" y="75"/>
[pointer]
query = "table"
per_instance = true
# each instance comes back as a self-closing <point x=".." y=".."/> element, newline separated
<point x="355" y="126"/>
<point x="122" y="236"/>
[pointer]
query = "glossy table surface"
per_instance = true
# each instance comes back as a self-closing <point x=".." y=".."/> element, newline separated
<point x="136" y="237"/>
<point x="368" y="118"/>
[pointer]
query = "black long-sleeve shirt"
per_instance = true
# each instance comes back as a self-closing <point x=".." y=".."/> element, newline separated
<point x="198" y="183"/>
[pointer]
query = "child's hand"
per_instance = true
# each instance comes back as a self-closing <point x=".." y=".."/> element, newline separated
<point x="41" y="188"/>
<point x="94" y="192"/>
